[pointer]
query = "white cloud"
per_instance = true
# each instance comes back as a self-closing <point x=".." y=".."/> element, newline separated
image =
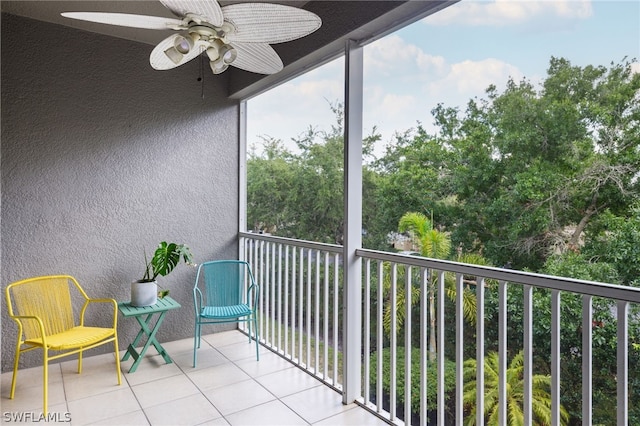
<point x="510" y="12"/>
<point x="403" y="84"/>
<point x="635" y="67"/>
<point x="387" y="55"/>
<point x="288" y="110"/>
<point x="471" y="78"/>
<point x="402" y="92"/>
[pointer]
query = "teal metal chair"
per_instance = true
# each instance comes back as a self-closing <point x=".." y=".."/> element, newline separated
<point x="224" y="291"/>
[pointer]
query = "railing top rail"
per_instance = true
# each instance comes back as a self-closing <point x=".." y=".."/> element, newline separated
<point x="332" y="248"/>
<point x="572" y="285"/>
<point x="591" y="288"/>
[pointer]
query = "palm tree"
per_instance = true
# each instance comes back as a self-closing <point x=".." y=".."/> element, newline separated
<point x="434" y="244"/>
<point x="541" y="398"/>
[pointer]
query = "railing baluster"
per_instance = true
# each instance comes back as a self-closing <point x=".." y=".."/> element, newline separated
<point x="587" y="360"/>
<point x="301" y="305"/>
<point x="440" y="347"/>
<point x="479" y="351"/>
<point x="502" y="353"/>
<point x="459" y="349"/>
<point x="262" y="292"/>
<point x="325" y="333"/>
<point x="316" y="364"/>
<point x="424" y="360"/>
<point x="407" y="346"/>
<point x="393" y="305"/>
<point x="280" y="262"/>
<point x="266" y="275"/>
<point x="555" y="357"/>
<point x="286" y="300"/>
<point x="528" y="353"/>
<point x="273" y="292"/>
<point x="308" y="307"/>
<point x="367" y="330"/>
<point x="622" y="373"/>
<point x="294" y="289"/>
<point x="380" y="335"/>
<point x="336" y="309"/>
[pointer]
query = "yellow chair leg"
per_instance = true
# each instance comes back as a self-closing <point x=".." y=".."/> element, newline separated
<point x="45" y="380"/>
<point x="115" y="344"/>
<point x="80" y="362"/>
<point x="15" y="370"/>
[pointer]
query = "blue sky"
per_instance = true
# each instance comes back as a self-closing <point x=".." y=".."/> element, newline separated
<point x="451" y="57"/>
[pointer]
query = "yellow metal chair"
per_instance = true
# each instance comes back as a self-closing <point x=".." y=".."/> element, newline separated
<point x="43" y="309"/>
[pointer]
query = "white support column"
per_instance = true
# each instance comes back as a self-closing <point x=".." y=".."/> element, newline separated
<point x="242" y="175"/>
<point x="352" y="315"/>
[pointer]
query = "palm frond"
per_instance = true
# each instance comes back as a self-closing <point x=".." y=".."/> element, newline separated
<point x="416" y="223"/>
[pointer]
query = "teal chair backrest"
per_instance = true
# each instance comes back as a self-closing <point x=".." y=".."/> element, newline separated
<point x="224" y="281"/>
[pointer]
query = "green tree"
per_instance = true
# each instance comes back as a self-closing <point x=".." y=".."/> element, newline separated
<point x="300" y="195"/>
<point x="270" y="178"/>
<point x="541" y="397"/>
<point x="531" y="169"/>
<point x="617" y="244"/>
<point x="413" y="177"/>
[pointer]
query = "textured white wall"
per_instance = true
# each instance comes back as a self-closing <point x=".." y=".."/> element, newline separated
<point x="103" y="157"/>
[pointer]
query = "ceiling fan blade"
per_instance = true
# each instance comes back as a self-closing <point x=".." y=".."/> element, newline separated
<point x="125" y="20"/>
<point x="257" y="57"/>
<point x="208" y="9"/>
<point x="159" y="59"/>
<point x="269" y="23"/>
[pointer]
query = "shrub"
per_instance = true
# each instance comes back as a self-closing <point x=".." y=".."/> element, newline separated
<point x="432" y="378"/>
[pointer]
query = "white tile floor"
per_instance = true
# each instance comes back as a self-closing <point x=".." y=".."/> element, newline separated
<point x="229" y="387"/>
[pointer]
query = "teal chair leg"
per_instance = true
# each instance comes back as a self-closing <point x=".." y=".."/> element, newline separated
<point x="255" y="325"/>
<point x="196" y="343"/>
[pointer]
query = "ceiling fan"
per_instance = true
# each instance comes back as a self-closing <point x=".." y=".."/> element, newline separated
<point x="237" y="34"/>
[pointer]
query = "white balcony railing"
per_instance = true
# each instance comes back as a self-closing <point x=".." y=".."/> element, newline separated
<point x="301" y="308"/>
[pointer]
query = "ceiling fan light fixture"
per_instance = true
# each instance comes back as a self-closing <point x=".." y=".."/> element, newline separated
<point x="173" y="54"/>
<point x="183" y="44"/>
<point x="218" y="66"/>
<point x="228" y="54"/>
<point x="220" y="52"/>
<point x="213" y="53"/>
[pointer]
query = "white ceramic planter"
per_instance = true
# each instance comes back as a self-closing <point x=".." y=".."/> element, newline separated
<point x="144" y="293"/>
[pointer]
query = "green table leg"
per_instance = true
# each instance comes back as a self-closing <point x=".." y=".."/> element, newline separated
<point x="151" y="340"/>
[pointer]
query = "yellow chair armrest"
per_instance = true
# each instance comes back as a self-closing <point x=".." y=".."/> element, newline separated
<point x="101" y="300"/>
<point x="20" y="318"/>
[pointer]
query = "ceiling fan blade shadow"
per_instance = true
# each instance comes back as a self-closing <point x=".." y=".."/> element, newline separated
<point x="159" y="59"/>
<point x="269" y="23"/>
<point x="257" y="57"/>
<point x="125" y="20"/>
<point x="208" y="9"/>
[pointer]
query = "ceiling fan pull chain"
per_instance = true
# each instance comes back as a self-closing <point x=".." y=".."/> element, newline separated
<point x="201" y="78"/>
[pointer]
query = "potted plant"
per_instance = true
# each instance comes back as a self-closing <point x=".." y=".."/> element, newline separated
<point x="144" y="292"/>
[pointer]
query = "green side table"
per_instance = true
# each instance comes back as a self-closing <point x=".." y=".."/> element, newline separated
<point x="144" y="317"/>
